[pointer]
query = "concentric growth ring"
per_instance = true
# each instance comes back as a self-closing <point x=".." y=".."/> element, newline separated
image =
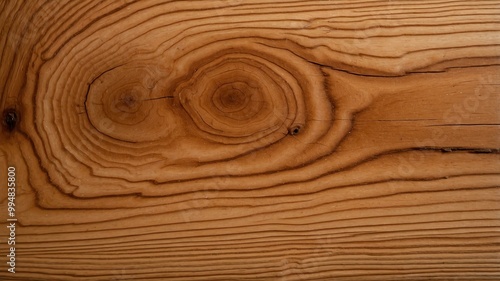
<point x="239" y="98"/>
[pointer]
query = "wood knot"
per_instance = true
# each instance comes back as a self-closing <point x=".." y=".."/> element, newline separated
<point x="10" y="119"/>
<point x="295" y="130"/>
<point x="128" y="102"/>
<point x="238" y="98"/>
<point x="234" y="98"/>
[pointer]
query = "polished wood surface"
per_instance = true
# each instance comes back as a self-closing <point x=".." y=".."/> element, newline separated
<point x="251" y="140"/>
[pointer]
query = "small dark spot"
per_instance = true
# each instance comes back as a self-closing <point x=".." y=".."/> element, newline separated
<point x="295" y="130"/>
<point x="10" y="119"/>
<point x="129" y="101"/>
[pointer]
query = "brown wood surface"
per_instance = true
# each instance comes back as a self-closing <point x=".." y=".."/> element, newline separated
<point x="251" y="140"/>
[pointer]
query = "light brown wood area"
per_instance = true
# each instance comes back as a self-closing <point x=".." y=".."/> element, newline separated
<point x="251" y="140"/>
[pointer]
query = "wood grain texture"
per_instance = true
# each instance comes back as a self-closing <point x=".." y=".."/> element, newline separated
<point x="252" y="140"/>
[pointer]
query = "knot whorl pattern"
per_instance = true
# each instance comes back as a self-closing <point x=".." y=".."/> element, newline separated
<point x="213" y="111"/>
<point x="239" y="98"/>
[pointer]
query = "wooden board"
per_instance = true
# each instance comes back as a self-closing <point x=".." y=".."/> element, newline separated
<point x="251" y="140"/>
